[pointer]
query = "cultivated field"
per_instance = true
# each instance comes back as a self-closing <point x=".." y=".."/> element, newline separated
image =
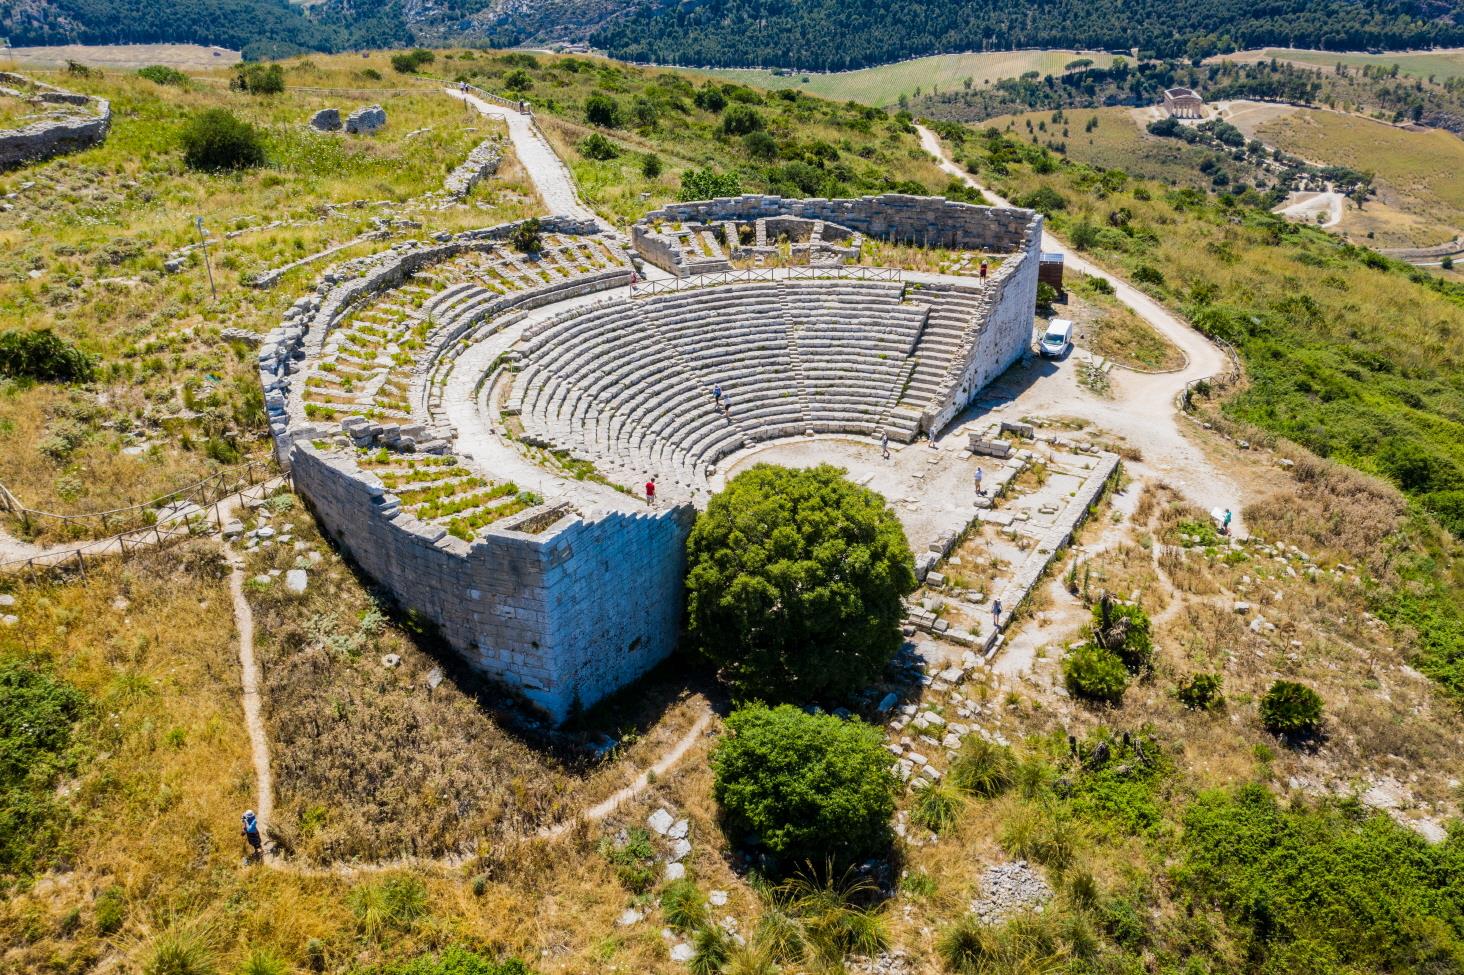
<point x="885" y="84"/>
<point x="184" y="57"/>
<point x="1441" y="64"/>
<point x="1417" y="172"/>
<point x="1117" y="141"/>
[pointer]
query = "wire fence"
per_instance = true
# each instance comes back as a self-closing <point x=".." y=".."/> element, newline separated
<point x="199" y="494"/>
<point x="124" y="545"/>
<point x="1217" y="381"/>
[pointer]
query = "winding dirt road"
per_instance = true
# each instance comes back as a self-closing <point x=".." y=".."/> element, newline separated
<point x="1141" y="406"/>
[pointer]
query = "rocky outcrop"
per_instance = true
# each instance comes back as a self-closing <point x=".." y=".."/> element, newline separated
<point x="366" y="121"/>
<point x="50" y="137"/>
<point x="326" y="120"/>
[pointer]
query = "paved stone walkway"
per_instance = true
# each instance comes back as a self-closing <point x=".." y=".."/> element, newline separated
<point x="550" y="175"/>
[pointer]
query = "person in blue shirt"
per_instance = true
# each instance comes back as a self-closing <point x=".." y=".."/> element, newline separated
<point x="251" y="833"/>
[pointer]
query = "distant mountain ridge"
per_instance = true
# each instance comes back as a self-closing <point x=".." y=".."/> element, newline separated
<point x="806" y="34"/>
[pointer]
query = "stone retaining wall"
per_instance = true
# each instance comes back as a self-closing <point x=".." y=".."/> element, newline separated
<point x="563" y="606"/>
<point x="563" y="616"/>
<point x="1003" y="338"/>
<point x="925" y="221"/>
<point x="40" y="141"/>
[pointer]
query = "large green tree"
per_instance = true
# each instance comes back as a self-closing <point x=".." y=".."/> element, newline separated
<point x="809" y="787"/>
<point x="795" y="583"/>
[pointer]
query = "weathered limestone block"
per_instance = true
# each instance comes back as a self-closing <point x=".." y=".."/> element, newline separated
<point x="326" y="120"/>
<point x="366" y="121"/>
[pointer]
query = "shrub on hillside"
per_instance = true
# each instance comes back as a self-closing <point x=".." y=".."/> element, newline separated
<point x="1095" y="674"/>
<point x="602" y="110"/>
<point x="651" y="166"/>
<point x="740" y="120"/>
<point x="410" y="62"/>
<point x="217" y="141"/>
<point x="1046" y="294"/>
<point x="710" y="99"/>
<point x="38" y="717"/>
<point x="1200" y="692"/>
<point x="807" y="786"/>
<point x="527" y="237"/>
<point x="259" y="79"/>
<point x="1290" y="709"/>
<point x="518" y="80"/>
<point x="162" y="75"/>
<point x="1045" y="200"/>
<point x="596" y="146"/>
<point x="42" y="354"/>
<point x="982" y="768"/>
<point x="1123" y="630"/>
<point x="796" y="582"/>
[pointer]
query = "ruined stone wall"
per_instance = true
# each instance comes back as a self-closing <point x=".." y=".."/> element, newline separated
<point x="925" y="221"/>
<point x="563" y="606"/>
<point x="564" y="617"/>
<point x="41" y="140"/>
<point x="1004" y="336"/>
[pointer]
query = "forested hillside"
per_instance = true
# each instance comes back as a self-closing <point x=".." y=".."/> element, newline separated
<point x="808" y="34"/>
<point x="840" y="34"/>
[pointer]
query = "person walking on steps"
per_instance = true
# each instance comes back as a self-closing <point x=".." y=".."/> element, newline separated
<point x="884" y="444"/>
<point x="717" y="394"/>
<point x="980" y="474"/>
<point x="995" y="613"/>
<point x="251" y="833"/>
<point x="651" y="491"/>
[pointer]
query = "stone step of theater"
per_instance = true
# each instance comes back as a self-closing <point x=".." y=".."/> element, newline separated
<point x="628" y="386"/>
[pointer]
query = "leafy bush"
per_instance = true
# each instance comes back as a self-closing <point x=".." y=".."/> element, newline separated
<point x="796" y="583"/>
<point x="1200" y="692"/>
<point x="161" y="75"/>
<point x="760" y="145"/>
<point x="708" y="184"/>
<point x="1290" y="709"/>
<point x="710" y="99"/>
<point x="1123" y="630"/>
<point x="740" y="120"/>
<point x="634" y="860"/>
<point x="596" y="146"/>
<point x="1045" y="200"/>
<point x="518" y="80"/>
<point x="38" y="715"/>
<point x="217" y="140"/>
<point x="1148" y="274"/>
<point x="1046" y="294"/>
<point x="1094" y="673"/>
<point x="602" y="110"/>
<point x="1326" y="889"/>
<point x="806" y="786"/>
<point x="527" y="237"/>
<point x="44" y="355"/>
<point x="651" y="165"/>
<point x="410" y="62"/>
<point x="453" y="961"/>
<point x="259" y="79"/>
<point x="982" y="768"/>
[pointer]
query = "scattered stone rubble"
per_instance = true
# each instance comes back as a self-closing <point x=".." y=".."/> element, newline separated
<point x="1008" y="889"/>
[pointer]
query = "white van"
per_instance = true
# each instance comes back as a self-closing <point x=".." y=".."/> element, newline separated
<point x="1058" y="340"/>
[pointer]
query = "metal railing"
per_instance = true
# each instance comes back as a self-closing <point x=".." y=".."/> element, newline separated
<point x="201" y="493"/>
<point x="855" y="272"/>
<point x="159" y="535"/>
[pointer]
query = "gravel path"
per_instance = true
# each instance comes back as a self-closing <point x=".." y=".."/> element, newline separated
<point x="550" y="175"/>
<point x="1141" y="406"/>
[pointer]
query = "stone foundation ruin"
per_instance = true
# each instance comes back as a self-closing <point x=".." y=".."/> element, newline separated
<point x="64" y="131"/>
<point x="473" y="424"/>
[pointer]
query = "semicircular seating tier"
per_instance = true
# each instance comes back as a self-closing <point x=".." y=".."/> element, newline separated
<point x="629" y="385"/>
